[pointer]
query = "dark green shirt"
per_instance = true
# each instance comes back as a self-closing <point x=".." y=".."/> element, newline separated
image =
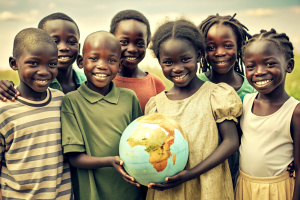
<point x="93" y="124"/>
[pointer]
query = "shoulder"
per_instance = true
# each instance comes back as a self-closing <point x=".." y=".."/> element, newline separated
<point x="79" y="75"/>
<point x="56" y="92"/>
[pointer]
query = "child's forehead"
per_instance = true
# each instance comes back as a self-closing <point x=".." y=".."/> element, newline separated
<point x="101" y="42"/>
<point x="60" y="25"/>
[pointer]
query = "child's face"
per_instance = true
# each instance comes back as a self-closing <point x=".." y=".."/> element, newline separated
<point x="133" y="38"/>
<point x="37" y="67"/>
<point x="178" y="60"/>
<point x="266" y="66"/>
<point x="101" y="62"/>
<point x="66" y="37"/>
<point x="221" y="50"/>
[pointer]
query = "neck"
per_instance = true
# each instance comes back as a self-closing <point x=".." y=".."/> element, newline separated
<point x="279" y="95"/>
<point x="28" y="93"/>
<point x="132" y="73"/>
<point x="65" y="75"/>
<point x="228" y="77"/>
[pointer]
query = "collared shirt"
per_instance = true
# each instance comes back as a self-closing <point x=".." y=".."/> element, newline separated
<point x="93" y="124"/>
<point x="78" y="76"/>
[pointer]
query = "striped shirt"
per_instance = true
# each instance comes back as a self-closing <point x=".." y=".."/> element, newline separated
<point x="31" y="156"/>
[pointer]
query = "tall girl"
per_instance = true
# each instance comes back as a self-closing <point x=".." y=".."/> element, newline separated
<point x="206" y="111"/>
<point x="270" y="122"/>
<point x="224" y="37"/>
<point x="133" y="30"/>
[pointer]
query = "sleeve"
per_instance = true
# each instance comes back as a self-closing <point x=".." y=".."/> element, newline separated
<point x="72" y="140"/>
<point x="151" y="106"/>
<point x="136" y="108"/>
<point x="159" y="84"/>
<point x="225" y="103"/>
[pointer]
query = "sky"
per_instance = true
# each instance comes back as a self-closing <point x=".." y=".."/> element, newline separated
<point x="94" y="15"/>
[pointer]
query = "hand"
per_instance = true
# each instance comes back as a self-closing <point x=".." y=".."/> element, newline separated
<point x="117" y="164"/>
<point x="7" y="90"/>
<point x="172" y="181"/>
<point x="291" y="169"/>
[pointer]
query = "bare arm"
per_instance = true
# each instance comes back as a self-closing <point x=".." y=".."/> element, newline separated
<point x="84" y="161"/>
<point x="228" y="146"/>
<point x="7" y="90"/>
<point x="296" y="137"/>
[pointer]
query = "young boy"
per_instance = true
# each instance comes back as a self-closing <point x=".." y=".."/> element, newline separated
<point x="65" y="33"/>
<point x="32" y="164"/>
<point x="93" y="119"/>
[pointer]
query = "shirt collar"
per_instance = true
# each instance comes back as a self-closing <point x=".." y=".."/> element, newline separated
<point x="92" y="96"/>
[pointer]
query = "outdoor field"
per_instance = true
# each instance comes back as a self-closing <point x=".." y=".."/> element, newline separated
<point x="292" y="82"/>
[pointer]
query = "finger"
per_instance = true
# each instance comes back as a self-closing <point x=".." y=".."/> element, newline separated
<point x="132" y="182"/>
<point x="4" y="96"/>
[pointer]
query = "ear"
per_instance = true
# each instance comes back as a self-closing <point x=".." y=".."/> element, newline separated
<point x="290" y="65"/>
<point x="80" y="61"/>
<point x="198" y="56"/>
<point x="120" y="65"/>
<point x="13" y="63"/>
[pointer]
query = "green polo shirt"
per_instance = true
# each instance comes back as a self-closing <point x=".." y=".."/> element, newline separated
<point x="93" y="123"/>
<point x="79" y="77"/>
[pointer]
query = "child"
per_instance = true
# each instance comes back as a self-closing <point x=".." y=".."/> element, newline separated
<point x="65" y="33"/>
<point x="133" y="30"/>
<point x="93" y="119"/>
<point x="224" y="37"/>
<point x="206" y="111"/>
<point x="270" y="122"/>
<point x="31" y="152"/>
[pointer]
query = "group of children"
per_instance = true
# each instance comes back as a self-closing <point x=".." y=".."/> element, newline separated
<point x="44" y="131"/>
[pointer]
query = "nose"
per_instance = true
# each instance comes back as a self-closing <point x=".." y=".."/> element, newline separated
<point x="177" y="68"/>
<point x="101" y="64"/>
<point x="43" y="71"/>
<point x="63" y="46"/>
<point x="132" y="47"/>
<point x="260" y="70"/>
<point x="220" y="51"/>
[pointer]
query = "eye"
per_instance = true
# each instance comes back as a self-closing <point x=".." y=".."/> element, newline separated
<point x="123" y="42"/>
<point x="185" y="60"/>
<point x="141" y="44"/>
<point x="167" y="63"/>
<point x="250" y="67"/>
<point x="33" y="63"/>
<point x="72" y="42"/>
<point x="210" y="48"/>
<point x="56" y="40"/>
<point x="93" y="58"/>
<point x="228" y="46"/>
<point x="112" y="60"/>
<point x="270" y="64"/>
<point x="53" y="65"/>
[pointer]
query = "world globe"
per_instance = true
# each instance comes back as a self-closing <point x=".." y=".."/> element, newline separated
<point x="153" y="147"/>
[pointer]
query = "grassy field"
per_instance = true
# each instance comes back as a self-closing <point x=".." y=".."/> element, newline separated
<point x="292" y="82"/>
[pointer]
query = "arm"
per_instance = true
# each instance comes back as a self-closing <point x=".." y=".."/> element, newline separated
<point x="84" y="161"/>
<point x="228" y="146"/>
<point x="7" y="90"/>
<point x="295" y="129"/>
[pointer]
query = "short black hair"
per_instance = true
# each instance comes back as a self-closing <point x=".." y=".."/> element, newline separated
<point x="130" y="14"/>
<point x="28" y="38"/>
<point x="55" y="16"/>
<point x="241" y="33"/>
<point x="180" y="29"/>
<point x="281" y="40"/>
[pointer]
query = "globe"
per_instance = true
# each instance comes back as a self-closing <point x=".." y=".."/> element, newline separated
<point x="153" y="147"/>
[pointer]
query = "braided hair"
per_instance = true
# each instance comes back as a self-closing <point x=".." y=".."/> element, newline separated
<point x="281" y="40"/>
<point x="238" y="28"/>
<point x="179" y="29"/>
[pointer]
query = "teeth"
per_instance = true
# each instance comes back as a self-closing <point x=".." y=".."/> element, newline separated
<point x="64" y="57"/>
<point x="222" y="62"/>
<point x="100" y="75"/>
<point x="262" y="82"/>
<point x="41" y="81"/>
<point x="131" y="58"/>
<point x="179" y="77"/>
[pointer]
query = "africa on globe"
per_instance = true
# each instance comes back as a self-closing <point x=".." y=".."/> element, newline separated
<point x="153" y="147"/>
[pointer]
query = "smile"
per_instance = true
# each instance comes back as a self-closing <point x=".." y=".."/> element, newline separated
<point x="262" y="82"/>
<point x="41" y="81"/>
<point x="131" y="58"/>
<point x="221" y="62"/>
<point x="179" y="77"/>
<point x="63" y="58"/>
<point x="101" y="75"/>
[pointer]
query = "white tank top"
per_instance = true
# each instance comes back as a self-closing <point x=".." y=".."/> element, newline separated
<point x="266" y="145"/>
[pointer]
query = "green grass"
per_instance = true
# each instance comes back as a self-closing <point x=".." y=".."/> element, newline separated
<point x="292" y="79"/>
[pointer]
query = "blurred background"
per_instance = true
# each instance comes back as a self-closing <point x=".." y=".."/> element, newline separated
<point x="94" y="15"/>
